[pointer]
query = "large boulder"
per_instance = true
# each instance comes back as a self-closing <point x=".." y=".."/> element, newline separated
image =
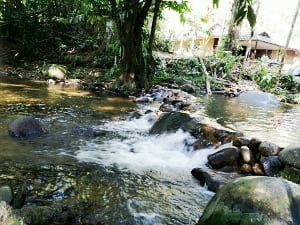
<point x="196" y="126"/>
<point x="259" y="99"/>
<point x="26" y="127"/>
<point x="290" y="155"/>
<point x="254" y="200"/>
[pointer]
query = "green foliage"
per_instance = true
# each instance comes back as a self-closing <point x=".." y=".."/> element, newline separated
<point x="15" y="223"/>
<point x="266" y="77"/>
<point x="223" y="63"/>
<point x="181" y="69"/>
<point x="287" y="82"/>
<point x="251" y="17"/>
<point x="269" y="79"/>
<point x="242" y="9"/>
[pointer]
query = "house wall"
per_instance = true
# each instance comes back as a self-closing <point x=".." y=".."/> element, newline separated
<point x="199" y="47"/>
<point x="205" y="46"/>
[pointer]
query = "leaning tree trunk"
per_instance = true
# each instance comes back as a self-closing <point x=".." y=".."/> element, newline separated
<point x="233" y="31"/>
<point x="289" y="35"/>
<point x="150" y="60"/>
<point x="207" y="77"/>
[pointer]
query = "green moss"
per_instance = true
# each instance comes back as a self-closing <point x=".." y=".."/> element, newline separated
<point x="291" y="174"/>
<point x="249" y="201"/>
<point x="223" y="215"/>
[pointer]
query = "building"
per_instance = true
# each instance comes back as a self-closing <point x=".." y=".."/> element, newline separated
<point x="261" y="44"/>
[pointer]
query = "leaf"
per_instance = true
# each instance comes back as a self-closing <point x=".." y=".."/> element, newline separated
<point x="251" y="16"/>
<point x="240" y="16"/>
<point x="216" y="3"/>
<point x="15" y="223"/>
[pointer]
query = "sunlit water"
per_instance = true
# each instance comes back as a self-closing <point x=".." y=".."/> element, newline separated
<point x="278" y="124"/>
<point x="143" y="179"/>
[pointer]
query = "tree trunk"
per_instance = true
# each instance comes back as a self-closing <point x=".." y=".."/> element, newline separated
<point x="248" y="50"/>
<point x="289" y="35"/>
<point x="233" y="31"/>
<point x="207" y="77"/>
<point x="130" y="30"/>
<point x="150" y="60"/>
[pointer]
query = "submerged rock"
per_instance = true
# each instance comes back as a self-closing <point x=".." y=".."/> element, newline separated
<point x="26" y="127"/>
<point x="63" y="212"/>
<point x="254" y="201"/>
<point x="6" y="194"/>
<point x="214" y="180"/>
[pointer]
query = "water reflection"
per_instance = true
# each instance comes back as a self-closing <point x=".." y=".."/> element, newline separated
<point x="276" y="124"/>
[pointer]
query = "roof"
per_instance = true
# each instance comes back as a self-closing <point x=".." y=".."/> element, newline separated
<point x="260" y="41"/>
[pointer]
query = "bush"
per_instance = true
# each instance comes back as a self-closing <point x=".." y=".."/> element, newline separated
<point x="181" y="69"/>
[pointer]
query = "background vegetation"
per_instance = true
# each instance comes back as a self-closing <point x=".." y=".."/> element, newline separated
<point x="113" y="41"/>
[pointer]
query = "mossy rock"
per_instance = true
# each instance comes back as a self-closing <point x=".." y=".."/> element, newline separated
<point x="290" y="155"/>
<point x="254" y="200"/>
<point x="291" y="174"/>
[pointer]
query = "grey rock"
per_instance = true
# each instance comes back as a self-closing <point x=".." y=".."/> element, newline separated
<point x="268" y="149"/>
<point x="290" y="155"/>
<point x="214" y="180"/>
<point x="26" y="127"/>
<point x="226" y="156"/>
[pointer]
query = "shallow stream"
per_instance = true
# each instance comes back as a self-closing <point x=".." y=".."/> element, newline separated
<point x="143" y="179"/>
<point x="135" y="178"/>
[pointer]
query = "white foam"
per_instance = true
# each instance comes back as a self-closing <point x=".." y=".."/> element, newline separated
<point x="137" y="150"/>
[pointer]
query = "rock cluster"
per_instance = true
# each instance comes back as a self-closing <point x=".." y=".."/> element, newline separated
<point x="248" y="156"/>
<point x="241" y="171"/>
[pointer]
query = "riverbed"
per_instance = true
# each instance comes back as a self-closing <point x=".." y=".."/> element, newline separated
<point x="143" y="179"/>
<point x="95" y="151"/>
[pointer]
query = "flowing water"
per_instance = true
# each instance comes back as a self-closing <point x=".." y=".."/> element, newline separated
<point x="137" y="178"/>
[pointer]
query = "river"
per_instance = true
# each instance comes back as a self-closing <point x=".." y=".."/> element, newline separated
<point x="144" y="179"/>
<point x="137" y="178"/>
<point x="275" y="123"/>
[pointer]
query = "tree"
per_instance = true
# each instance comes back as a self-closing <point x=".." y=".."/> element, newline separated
<point x="136" y="48"/>
<point x="29" y="26"/>
<point x="241" y="9"/>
